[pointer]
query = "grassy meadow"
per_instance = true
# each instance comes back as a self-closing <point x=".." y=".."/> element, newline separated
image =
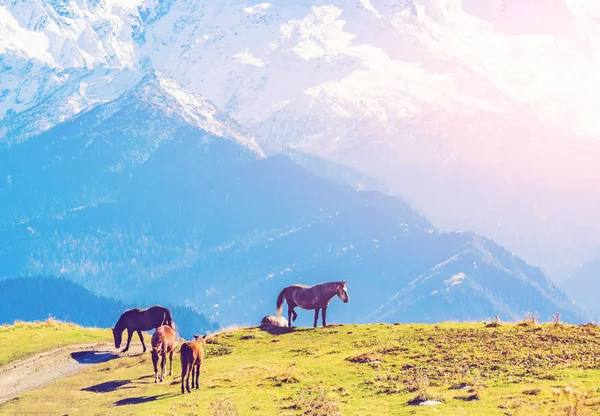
<point x="23" y="339"/>
<point x="376" y="369"/>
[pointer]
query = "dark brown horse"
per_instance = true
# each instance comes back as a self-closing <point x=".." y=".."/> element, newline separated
<point x="138" y="320"/>
<point x="311" y="297"/>
<point x="191" y="355"/>
<point x="163" y="342"/>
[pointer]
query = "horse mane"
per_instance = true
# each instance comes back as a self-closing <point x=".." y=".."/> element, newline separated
<point x="120" y="323"/>
<point x="330" y="284"/>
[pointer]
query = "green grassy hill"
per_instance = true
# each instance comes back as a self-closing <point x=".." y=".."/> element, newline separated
<point x="23" y="339"/>
<point x="372" y="369"/>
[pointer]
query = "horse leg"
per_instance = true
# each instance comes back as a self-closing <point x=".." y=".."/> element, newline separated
<point x="183" y="374"/>
<point x="193" y="369"/>
<point x="295" y="314"/>
<point x="163" y="366"/>
<point x="129" y="335"/>
<point x="155" y="364"/>
<point x="141" y="339"/>
<point x="290" y="310"/>
<point x="323" y="315"/>
<point x="198" y="375"/>
<point x="171" y="362"/>
<point x="187" y="379"/>
<point x="316" y="317"/>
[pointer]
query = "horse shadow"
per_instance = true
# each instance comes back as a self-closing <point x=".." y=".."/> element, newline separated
<point x="144" y="399"/>
<point x="276" y="330"/>
<point x="107" y="387"/>
<point x="93" y="357"/>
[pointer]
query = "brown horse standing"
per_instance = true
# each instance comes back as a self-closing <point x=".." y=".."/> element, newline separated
<point x="311" y="297"/>
<point x="192" y="357"/>
<point x="138" y="320"/>
<point x="163" y="343"/>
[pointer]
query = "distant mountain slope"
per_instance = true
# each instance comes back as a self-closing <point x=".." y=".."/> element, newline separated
<point x="158" y="194"/>
<point x="583" y="287"/>
<point x="37" y="298"/>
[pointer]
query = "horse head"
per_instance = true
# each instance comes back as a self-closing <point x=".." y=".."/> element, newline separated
<point x="117" y="336"/>
<point x="342" y="292"/>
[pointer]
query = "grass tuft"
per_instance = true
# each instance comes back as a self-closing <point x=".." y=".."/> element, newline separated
<point x="317" y="401"/>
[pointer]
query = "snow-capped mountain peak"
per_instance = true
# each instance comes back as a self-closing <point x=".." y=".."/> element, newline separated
<point x="430" y="96"/>
<point x="168" y="95"/>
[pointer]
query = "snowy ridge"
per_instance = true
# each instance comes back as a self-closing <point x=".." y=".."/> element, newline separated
<point x="80" y="91"/>
<point x="193" y="108"/>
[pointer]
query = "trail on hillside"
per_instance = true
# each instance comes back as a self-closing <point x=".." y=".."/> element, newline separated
<point x="46" y="367"/>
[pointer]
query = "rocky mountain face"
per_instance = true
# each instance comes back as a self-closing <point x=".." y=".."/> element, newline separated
<point x="158" y="196"/>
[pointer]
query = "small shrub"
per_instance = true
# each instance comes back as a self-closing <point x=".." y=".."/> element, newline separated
<point x="494" y="324"/>
<point x="365" y="343"/>
<point x="316" y="401"/>
<point x="363" y="358"/>
<point x="394" y="350"/>
<point x="302" y="351"/>
<point x="418" y="382"/>
<point x="531" y="317"/>
<point x="250" y="336"/>
<point x="532" y="392"/>
<point x="218" y="350"/>
<point x="287" y="377"/>
<point x="556" y="318"/>
<point x="469" y="398"/>
<point x="223" y="406"/>
<point x="387" y="383"/>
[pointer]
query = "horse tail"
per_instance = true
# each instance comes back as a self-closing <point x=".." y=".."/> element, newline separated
<point x="168" y="320"/>
<point x="280" y="301"/>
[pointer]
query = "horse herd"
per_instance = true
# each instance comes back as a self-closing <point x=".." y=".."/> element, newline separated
<point x="191" y="354"/>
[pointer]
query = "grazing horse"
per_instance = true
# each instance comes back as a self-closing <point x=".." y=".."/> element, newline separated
<point x="138" y="320"/>
<point x="316" y="297"/>
<point x="191" y="355"/>
<point x="163" y="343"/>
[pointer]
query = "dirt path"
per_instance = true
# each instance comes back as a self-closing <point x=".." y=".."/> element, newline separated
<point x="41" y="369"/>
